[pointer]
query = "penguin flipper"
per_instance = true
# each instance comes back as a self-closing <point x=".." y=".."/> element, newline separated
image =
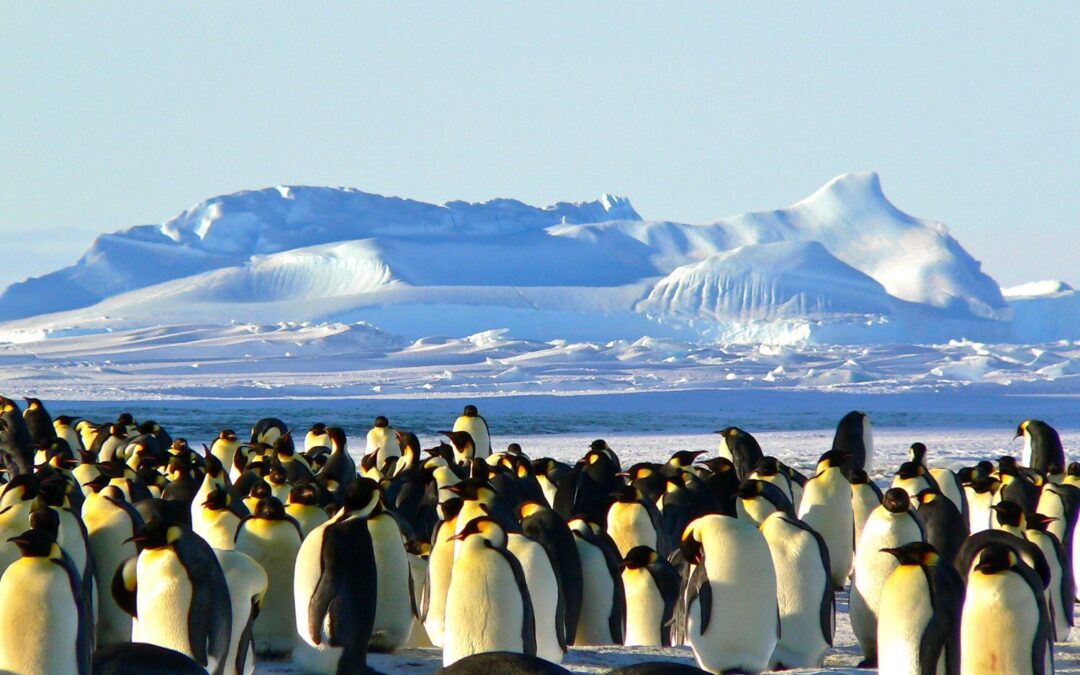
<point x="246" y="640"/>
<point x="347" y="585"/>
<point x="84" y="641"/>
<point x="700" y="588"/>
<point x="209" y="620"/>
<point x="125" y="587"/>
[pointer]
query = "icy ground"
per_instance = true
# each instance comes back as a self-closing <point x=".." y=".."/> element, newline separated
<point x="948" y="447"/>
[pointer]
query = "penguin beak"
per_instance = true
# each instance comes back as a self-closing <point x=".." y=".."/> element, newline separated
<point x="895" y="552"/>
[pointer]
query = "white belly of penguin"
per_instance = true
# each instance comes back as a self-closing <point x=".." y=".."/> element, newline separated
<point x="440" y="568"/>
<point x="544" y="591"/>
<point x="629" y="525"/>
<point x="826" y="507"/>
<point x="41" y="620"/>
<point x="163" y="601"/>
<point x="872" y="569"/>
<point x="1001" y="606"/>
<point x="905" y="611"/>
<point x="393" y="604"/>
<point x="108" y="528"/>
<point x="598" y="591"/>
<point x="274" y="545"/>
<point x="644" y="609"/>
<point x="801" y="581"/>
<point x="483" y="608"/>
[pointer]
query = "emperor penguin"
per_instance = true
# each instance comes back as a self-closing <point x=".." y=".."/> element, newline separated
<point x="177" y="591"/>
<point x="316" y="438"/>
<point x="394" y="601"/>
<point x="46" y="626"/>
<point x="731" y="600"/>
<point x="477" y="428"/>
<point x="549" y="604"/>
<point x="247" y="582"/>
<point x="918" y="631"/>
<point x="891" y="525"/>
<point x="38" y="422"/>
<point x="945" y="527"/>
<point x="547" y="528"/>
<point x="463" y="445"/>
<point x="913" y="478"/>
<point x="440" y="568"/>
<point x="603" y="601"/>
<point x="1005" y="625"/>
<point x="855" y="437"/>
<point x="303" y="506"/>
<point x="273" y="539"/>
<point x="110" y="525"/>
<point x="72" y="535"/>
<point x="826" y="507"/>
<point x="741" y="449"/>
<point x="758" y="500"/>
<point x="382" y="441"/>
<point x="549" y="472"/>
<point x="980" y="494"/>
<point x="65" y="428"/>
<point x="18" y="499"/>
<point x="865" y="497"/>
<point x="215" y="521"/>
<point x="224" y="448"/>
<point x="487" y="581"/>
<point x="1042" y="446"/>
<point x="651" y="586"/>
<point x="340" y="469"/>
<point x="1061" y="592"/>
<point x="267" y="431"/>
<point x="634" y="521"/>
<point x="771" y="470"/>
<point x="335" y="587"/>
<point x="805" y="596"/>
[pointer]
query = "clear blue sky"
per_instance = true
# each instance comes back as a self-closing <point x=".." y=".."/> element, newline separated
<point x="116" y="114"/>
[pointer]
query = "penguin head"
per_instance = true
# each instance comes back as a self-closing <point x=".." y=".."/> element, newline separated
<point x="750" y="489"/>
<point x="684" y="458"/>
<point x="638" y="557"/>
<point x="915" y="553"/>
<point x="472" y="489"/>
<point x="214" y="467"/>
<point x="450" y="508"/>
<point x="44" y="519"/>
<point x="627" y="494"/>
<point x="381" y="422"/>
<point x="179" y="447"/>
<point x="911" y="470"/>
<point x="305" y="493"/>
<point x="640" y="471"/>
<point x="531" y="508"/>
<point x="277" y="475"/>
<point x="514" y="449"/>
<point x="917" y="453"/>
<point x="691" y="545"/>
<point x="53" y="491"/>
<point x="36" y="543"/>
<point x="486" y="528"/>
<point x="361" y="496"/>
<point x="1073" y="470"/>
<point x="33" y="404"/>
<point x="260" y="489"/>
<point x="1008" y="466"/>
<point x="719" y="465"/>
<point x="927" y="496"/>
<point x="269" y="508"/>
<point x="1022" y="428"/>
<point x="317" y="429"/>
<point x="1009" y="514"/>
<point x="157" y="534"/>
<point x="996" y="558"/>
<point x="1039" y="522"/>
<point x="470" y="411"/>
<point x="421" y="548"/>
<point x="227" y="435"/>
<point x="462" y="440"/>
<point x="337" y="438"/>
<point x="217" y="500"/>
<point x="730" y="432"/>
<point x="835" y="459"/>
<point x="98" y="483"/>
<point x="767" y="466"/>
<point x="859" y="477"/>
<point x="896" y="500"/>
<point x="125" y="420"/>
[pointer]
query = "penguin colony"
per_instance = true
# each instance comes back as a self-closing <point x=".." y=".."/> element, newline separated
<point x="125" y="550"/>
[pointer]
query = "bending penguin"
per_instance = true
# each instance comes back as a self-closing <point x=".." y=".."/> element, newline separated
<point x="1042" y="446"/>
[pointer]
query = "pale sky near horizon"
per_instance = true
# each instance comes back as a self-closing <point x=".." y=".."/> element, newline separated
<point x="118" y="114"/>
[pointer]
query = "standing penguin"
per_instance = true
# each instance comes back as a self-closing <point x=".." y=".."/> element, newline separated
<point x="652" y="587"/>
<point x="547" y="528"/>
<point x="944" y="525"/>
<point x="865" y="497"/>
<point x="46" y="628"/>
<point x="382" y="441"/>
<point x="1061" y="591"/>
<point x="394" y="601"/>
<point x="247" y="583"/>
<point x="919" y="615"/>
<point x="1004" y="602"/>
<point x="854" y="436"/>
<point x="826" y="507"/>
<point x="440" y="568"/>
<point x="110" y="524"/>
<point x="1042" y="446"/>
<point x="273" y="539"/>
<point x="741" y="449"/>
<point x="477" y="427"/>
<point x="634" y="521"/>
<point x="487" y="581"/>
<point x="38" y="422"/>
<point x="891" y="525"/>
<point x="758" y="500"/>
<point x="805" y="596"/>
<point x="549" y="605"/>
<point x="215" y="521"/>
<point x="603" y="601"/>
<point x="336" y="586"/>
<point x="340" y="469"/>
<point x="177" y="591"/>
<point x="731" y="608"/>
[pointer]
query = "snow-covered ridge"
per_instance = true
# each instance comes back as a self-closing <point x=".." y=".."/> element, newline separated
<point x="843" y="265"/>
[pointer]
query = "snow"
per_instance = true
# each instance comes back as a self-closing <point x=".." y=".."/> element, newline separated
<point x="842" y="266"/>
<point x="1036" y="288"/>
